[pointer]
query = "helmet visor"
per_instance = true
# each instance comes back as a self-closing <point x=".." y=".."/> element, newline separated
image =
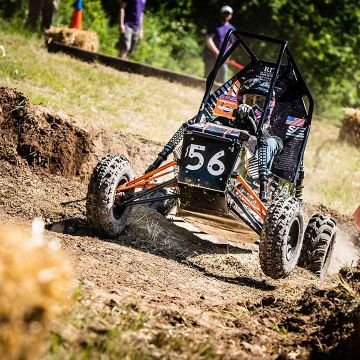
<point x="253" y="99"/>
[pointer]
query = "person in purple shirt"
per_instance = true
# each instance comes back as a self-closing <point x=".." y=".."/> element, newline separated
<point x="214" y="39"/>
<point x="131" y="25"/>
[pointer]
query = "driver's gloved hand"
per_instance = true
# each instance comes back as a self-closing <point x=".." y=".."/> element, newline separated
<point x="245" y="118"/>
<point x="244" y="111"/>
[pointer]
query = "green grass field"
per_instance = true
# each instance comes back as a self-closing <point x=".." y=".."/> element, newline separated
<point x="96" y="94"/>
<point x="155" y="108"/>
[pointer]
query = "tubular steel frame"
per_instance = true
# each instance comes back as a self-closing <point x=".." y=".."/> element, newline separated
<point x="252" y="208"/>
<point x="146" y="183"/>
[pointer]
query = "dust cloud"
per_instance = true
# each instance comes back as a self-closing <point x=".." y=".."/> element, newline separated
<point x="346" y="251"/>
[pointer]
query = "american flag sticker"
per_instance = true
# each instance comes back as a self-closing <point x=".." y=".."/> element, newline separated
<point x="294" y="121"/>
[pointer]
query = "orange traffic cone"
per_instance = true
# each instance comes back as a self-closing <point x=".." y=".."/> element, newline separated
<point x="76" y="21"/>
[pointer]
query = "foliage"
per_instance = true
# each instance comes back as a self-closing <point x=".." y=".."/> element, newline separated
<point x="94" y="19"/>
<point x="170" y="44"/>
<point x="323" y="35"/>
<point x="327" y="42"/>
<point x="10" y="8"/>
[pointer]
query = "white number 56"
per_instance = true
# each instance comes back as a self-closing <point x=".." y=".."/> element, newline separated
<point x="215" y="167"/>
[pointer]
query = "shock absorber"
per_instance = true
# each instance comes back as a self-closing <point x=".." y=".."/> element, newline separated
<point x="170" y="146"/>
<point x="300" y="183"/>
<point x="263" y="171"/>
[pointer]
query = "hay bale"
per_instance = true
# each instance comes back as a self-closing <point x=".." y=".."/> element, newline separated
<point x="35" y="283"/>
<point x="83" y="39"/>
<point x="350" y="130"/>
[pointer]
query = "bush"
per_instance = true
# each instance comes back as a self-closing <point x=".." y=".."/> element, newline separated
<point x="169" y="44"/>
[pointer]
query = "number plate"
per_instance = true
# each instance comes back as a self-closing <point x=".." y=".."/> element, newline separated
<point x="207" y="160"/>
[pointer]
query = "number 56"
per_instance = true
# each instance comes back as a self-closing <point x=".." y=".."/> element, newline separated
<point x="215" y="167"/>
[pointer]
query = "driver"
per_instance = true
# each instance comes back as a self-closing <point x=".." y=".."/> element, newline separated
<point x="251" y="99"/>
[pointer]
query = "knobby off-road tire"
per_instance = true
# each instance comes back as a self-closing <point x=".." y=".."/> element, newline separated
<point x="318" y="246"/>
<point x="102" y="214"/>
<point x="281" y="238"/>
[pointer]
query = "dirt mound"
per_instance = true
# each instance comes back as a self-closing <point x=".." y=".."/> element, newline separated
<point x="33" y="135"/>
<point x="325" y="321"/>
<point x="350" y="130"/>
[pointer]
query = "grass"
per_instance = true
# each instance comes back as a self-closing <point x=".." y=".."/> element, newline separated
<point x="332" y="169"/>
<point x="155" y="108"/>
<point x="96" y="94"/>
<point x="103" y="328"/>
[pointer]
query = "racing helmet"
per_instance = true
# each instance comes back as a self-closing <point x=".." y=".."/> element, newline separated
<point x="254" y="92"/>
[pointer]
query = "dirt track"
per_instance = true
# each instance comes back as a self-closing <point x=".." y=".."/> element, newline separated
<point x="166" y="268"/>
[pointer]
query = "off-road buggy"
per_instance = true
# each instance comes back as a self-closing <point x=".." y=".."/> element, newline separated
<point x="214" y="173"/>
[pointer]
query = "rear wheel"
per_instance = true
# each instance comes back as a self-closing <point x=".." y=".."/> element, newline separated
<point x="102" y="211"/>
<point x="318" y="246"/>
<point x="281" y="238"/>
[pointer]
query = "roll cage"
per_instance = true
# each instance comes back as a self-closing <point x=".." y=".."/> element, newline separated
<point x="301" y="96"/>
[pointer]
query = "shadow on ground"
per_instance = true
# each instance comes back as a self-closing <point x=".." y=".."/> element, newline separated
<point x="150" y="232"/>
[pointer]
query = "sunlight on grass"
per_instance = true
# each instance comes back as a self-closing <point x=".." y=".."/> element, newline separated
<point x="96" y="94"/>
<point x="332" y="169"/>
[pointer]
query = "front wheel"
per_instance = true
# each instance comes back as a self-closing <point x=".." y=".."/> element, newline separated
<point x="319" y="242"/>
<point x="281" y="238"/>
<point x="102" y="211"/>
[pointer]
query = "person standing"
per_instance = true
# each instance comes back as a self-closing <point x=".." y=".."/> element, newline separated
<point x="131" y="26"/>
<point x="214" y="39"/>
<point x="46" y="8"/>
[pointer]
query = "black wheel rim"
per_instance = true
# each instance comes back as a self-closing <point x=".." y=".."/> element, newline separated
<point x="120" y="197"/>
<point x="292" y="239"/>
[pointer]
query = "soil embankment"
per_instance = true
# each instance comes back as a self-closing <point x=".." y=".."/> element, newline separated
<point x="56" y="144"/>
<point x="183" y="287"/>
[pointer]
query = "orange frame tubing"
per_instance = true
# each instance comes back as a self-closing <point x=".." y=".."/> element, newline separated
<point x="143" y="181"/>
<point x="261" y="210"/>
<point x="248" y="203"/>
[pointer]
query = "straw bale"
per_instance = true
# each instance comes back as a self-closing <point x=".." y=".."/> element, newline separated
<point x="84" y="39"/>
<point x="35" y="284"/>
<point x="350" y="130"/>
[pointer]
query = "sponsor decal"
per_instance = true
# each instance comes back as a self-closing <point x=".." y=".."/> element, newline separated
<point x="294" y="121"/>
<point x="227" y="102"/>
<point x="225" y="108"/>
<point x="267" y="73"/>
<point x="295" y="132"/>
<point x="228" y="98"/>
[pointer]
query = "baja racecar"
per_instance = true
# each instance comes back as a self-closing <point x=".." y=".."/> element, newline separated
<point x="221" y="171"/>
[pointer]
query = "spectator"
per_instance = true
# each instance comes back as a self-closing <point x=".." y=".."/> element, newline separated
<point x="46" y="8"/>
<point x="131" y="26"/>
<point x="214" y="39"/>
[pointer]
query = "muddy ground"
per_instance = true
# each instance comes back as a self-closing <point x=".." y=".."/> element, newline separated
<point x="204" y="292"/>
